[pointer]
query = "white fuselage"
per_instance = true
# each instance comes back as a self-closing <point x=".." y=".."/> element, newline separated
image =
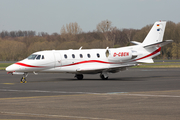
<point x="81" y="61"/>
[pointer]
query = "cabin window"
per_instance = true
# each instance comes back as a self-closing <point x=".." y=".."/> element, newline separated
<point x="73" y="56"/>
<point x="88" y="55"/>
<point x="98" y="55"/>
<point x="65" y="56"/>
<point x="81" y="56"/>
<point x="42" y="56"/>
<point x="32" y="57"/>
<point x="38" y="57"/>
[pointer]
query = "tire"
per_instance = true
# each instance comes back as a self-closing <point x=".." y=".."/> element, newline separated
<point x="103" y="77"/>
<point x="79" y="76"/>
<point x="23" y="80"/>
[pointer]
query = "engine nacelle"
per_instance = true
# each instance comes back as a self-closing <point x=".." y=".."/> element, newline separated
<point x="120" y="55"/>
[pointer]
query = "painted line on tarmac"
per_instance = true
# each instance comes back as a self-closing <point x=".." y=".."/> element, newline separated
<point x="57" y="116"/>
<point x="8" y="83"/>
<point x="147" y="95"/>
<point x="41" y="91"/>
<point x="38" y="97"/>
<point x="108" y="93"/>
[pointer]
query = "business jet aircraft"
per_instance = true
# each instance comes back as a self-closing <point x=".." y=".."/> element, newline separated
<point x="92" y="61"/>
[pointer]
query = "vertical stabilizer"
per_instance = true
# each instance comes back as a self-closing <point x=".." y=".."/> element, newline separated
<point x="156" y="33"/>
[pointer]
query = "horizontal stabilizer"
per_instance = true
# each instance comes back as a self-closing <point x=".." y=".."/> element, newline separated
<point x="159" y="44"/>
<point x="135" y="42"/>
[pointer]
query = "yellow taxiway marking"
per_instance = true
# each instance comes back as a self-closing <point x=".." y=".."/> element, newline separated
<point x="8" y="83"/>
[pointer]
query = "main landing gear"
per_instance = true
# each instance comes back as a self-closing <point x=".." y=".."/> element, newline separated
<point x="79" y="76"/>
<point x="104" y="76"/>
<point x="23" y="79"/>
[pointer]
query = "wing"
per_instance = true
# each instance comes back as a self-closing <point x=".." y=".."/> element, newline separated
<point x="87" y="69"/>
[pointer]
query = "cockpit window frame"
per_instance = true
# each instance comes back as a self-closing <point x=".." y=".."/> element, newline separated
<point x="38" y="57"/>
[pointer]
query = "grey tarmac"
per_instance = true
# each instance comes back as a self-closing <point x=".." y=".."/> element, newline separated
<point x="138" y="94"/>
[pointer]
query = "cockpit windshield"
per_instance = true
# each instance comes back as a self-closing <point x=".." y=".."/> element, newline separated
<point x="36" y="56"/>
<point x="32" y="57"/>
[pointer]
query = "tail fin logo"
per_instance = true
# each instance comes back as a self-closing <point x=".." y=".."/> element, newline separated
<point x="158" y="25"/>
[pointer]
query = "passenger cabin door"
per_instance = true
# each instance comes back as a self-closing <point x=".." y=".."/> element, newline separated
<point x="57" y="57"/>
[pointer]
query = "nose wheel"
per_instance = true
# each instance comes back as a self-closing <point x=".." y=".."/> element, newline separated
<point x="23" y="79"/>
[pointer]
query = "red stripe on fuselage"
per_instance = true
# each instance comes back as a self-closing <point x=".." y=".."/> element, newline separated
<point x="26" y="65"/>
<point x="89" y="61"/>
<point x="158" y="50"/>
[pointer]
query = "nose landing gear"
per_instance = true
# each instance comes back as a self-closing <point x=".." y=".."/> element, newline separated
<point x="23" y="79"/>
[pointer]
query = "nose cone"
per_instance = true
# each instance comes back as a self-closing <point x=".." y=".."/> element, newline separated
<point x="12" y="68"/>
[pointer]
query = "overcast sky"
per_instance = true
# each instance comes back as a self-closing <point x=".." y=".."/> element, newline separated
<point x="50" y="15"/>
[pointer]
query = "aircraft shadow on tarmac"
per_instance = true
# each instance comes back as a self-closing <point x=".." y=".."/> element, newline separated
<point x="96" y="79"/>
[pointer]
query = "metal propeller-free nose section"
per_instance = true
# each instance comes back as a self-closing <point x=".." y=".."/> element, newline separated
<point x="12" y="68"/>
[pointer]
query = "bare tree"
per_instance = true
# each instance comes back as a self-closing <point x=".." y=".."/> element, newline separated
<point x="71" y="28"/>
<point x="104" y="26"/>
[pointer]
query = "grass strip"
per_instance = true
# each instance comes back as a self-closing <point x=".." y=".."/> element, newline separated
<point x="157" y="66"/>
<point x="4" y="65"/>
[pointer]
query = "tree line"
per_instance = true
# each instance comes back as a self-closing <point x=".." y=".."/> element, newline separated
<point x="17" y="45"/>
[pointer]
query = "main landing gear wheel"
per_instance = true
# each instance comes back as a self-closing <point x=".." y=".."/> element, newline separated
<point x="103" y="77"/>
<point x="79" y="76"/>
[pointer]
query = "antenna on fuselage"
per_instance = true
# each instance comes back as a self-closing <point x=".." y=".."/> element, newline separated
<point x="80" y="48"/>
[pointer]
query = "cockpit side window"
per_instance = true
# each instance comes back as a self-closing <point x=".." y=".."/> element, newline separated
<point x="32" y="57"/>
<point x="38" y="57"/>
<point x="42" y="56"/>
